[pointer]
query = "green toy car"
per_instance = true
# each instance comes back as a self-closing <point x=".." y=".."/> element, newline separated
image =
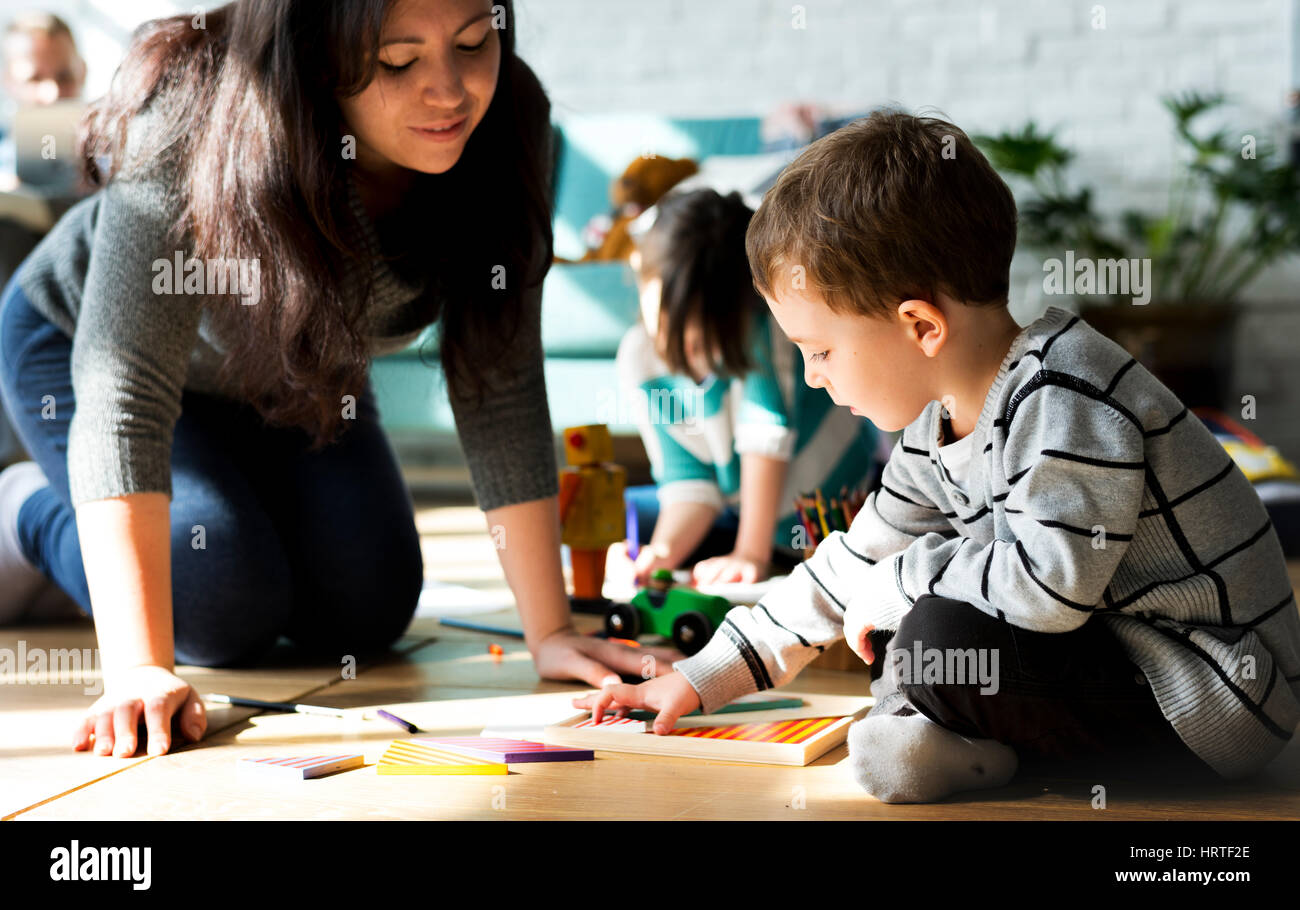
<point x="686" y="616"/>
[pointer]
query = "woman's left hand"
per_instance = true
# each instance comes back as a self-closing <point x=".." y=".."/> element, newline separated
<point x="734" y="567"/>
<point x="566" y="654"/>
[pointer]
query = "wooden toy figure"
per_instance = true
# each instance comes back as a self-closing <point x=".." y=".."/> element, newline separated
<point x="592" y="512"/>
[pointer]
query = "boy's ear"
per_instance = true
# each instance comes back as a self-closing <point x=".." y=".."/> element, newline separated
<point x="925" y="324"/>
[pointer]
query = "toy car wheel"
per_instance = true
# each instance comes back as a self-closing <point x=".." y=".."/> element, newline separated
<point x="623" y="621"/>
<point x="691" y="632"/>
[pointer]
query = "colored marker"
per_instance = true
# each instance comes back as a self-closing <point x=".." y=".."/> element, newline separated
<point x="274" y="705"/>
<point x="410" y="727"/>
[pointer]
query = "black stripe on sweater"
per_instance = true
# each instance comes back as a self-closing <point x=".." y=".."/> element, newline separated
<point x="1024" y="559"/>
<point x="1199" y="488"/>
<point x="1044" y="378"/>
<point x="867" y="559"/>
<point x="911" y="451"/>
<point x="1269" y="612"/>
<point x="898" y="495"/>
<point x="1184" y="638"/>
<point x="813" y="576"/>
<point x="749" y="653"/>
<point x="803" y="641"/>
<point x="1167" y="427"/>
<point x="1083" y="532"/>
<point x="1241" y="546"/>
<point x="1120" y="375"/>
<point x="1189" y="554"/>
<point x="944" y="568"/>
<point x="984" y="581"/>
<point x="1042" y="353"/>
<point x="1097" y="462"/>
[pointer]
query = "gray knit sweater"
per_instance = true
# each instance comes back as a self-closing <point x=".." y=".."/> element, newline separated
<point x="134" y="351"/>
<point x="1075" y="441"/>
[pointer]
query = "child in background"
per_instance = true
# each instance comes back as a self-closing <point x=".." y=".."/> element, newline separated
<point x="1099" y="582"/>
<point x="732" y="431"/>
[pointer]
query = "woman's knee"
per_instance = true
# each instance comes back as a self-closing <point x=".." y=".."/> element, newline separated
<point x="363" y="600"/>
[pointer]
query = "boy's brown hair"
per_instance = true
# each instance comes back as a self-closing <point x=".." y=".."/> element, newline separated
<point x="889" y="208"/>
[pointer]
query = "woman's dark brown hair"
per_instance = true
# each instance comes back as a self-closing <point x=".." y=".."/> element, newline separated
<point x="259" y="141"/>
<point x="697" y="247"/>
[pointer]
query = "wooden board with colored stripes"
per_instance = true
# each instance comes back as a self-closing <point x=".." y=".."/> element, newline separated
<point x="409" y="756"/>
<point x="510" y="751"/>
<point x="794" y="736"/>
<point x="301" y="767"/>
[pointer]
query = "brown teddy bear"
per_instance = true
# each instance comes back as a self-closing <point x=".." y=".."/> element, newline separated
<point x="643" y="184"/>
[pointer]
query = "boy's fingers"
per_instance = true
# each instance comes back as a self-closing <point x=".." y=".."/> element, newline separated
<point x="665" y="720"/>
<point x="157" y="723"/>
<point x="104" y="733"/>
<point x="81" y="739"/>
<point x="126" y="718"/>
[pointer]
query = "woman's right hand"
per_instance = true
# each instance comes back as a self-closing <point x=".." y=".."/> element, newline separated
<point x="156" y="693"/>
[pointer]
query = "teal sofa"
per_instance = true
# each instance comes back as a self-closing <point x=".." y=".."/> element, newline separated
<point x="587" y="307"/>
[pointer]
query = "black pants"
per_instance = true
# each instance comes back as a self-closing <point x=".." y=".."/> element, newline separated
<point x="1063" y="701"/>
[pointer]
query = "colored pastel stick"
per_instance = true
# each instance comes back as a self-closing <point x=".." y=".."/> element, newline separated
<point x="302" y="767"/>
<point x="479" y="627"/>
<point x="404" y="724"/>
<point x="612" y="722"/>
<point x="744" y="703"/>
<point x="409" y="756"/>
<point x="510" y="751"/>
<point x="821" y="514"/>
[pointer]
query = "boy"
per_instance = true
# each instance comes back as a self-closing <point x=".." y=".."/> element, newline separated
<point x="1043" y="479"/>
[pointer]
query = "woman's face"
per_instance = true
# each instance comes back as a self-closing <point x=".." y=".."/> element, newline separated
<point x="438" y="64"/>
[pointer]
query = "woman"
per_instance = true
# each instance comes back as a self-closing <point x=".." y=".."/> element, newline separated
<point x="289" y="189"/>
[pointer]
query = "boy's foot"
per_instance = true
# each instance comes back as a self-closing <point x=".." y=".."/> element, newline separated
<point x="908" y="758"/>
<point x="22" y="585"/>
<point x="901" y="756"/>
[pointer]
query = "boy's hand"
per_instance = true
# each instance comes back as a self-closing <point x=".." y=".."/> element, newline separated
<point x="734" y="567"/>
<point x="856" y="628"/>
<point x="671" y="695"/>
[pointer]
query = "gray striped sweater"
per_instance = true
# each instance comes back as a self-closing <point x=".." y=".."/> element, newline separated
<point x="135" y="351"/>
<point x="1092" y="493"/>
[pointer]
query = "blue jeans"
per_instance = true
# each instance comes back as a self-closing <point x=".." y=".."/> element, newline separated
<point x="320" y="547"/>
<point x="643" y="513"/>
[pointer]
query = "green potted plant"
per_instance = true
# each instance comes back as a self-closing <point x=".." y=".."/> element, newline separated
<point x="1234" y="209"/>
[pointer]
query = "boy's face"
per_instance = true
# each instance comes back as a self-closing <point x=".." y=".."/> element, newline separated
<point x="872" y="366"/>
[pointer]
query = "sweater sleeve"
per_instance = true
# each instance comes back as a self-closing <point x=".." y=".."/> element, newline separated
<point x="130" y="351"/>
<point x="1075" y="472"/>
<point x="767" y="645"/>
<point x="508" y="442"/>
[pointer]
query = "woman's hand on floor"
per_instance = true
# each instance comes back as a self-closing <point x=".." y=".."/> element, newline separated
<point x="734" y="567"/>
<point x="153" y="694"/>
<point x="569" y="655"/>
<point x="671" y="695"/>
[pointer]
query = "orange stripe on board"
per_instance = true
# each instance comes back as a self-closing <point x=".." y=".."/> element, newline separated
<point x="818" y="725"/>
<point x="756" y="732"/>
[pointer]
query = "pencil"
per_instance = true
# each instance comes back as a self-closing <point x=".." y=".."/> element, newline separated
<point x="274" y="705"/>
<point x="821" y="513"/>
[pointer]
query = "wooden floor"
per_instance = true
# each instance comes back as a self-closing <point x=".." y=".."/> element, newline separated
<point x="445" y="681"/>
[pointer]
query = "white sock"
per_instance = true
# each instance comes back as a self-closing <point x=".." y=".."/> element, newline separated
<point x="21" y="583"/>
<point x="901" y="756"/>
<point x="908" y="758"/>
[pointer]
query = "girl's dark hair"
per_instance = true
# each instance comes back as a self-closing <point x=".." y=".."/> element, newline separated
<point x="697" y="247"/>
<point x="258" y="143"/>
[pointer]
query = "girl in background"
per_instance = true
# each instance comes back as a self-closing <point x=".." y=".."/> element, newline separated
<point x="732" y="431"/>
